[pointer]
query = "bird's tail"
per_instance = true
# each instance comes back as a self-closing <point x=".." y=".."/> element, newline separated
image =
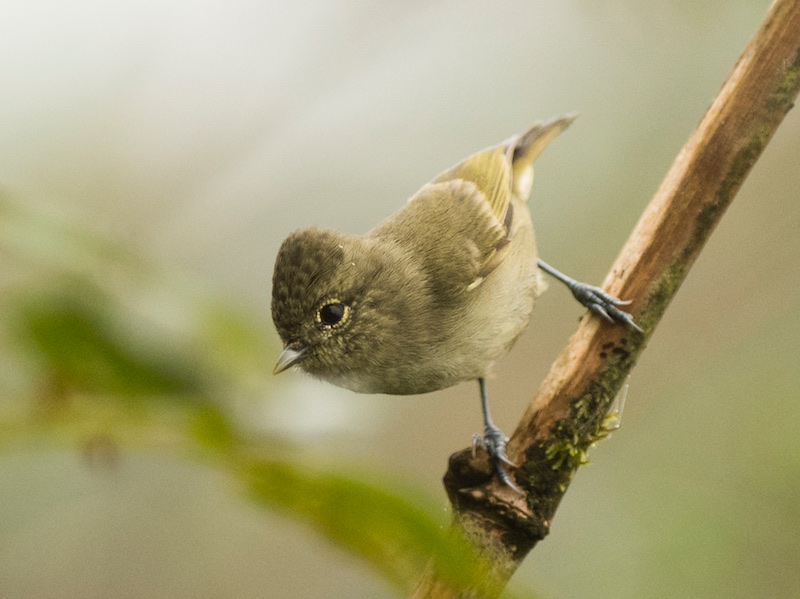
<point x="528" y="147"/>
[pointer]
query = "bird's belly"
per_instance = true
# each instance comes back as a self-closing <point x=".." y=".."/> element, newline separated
<point x="465" y="339"/>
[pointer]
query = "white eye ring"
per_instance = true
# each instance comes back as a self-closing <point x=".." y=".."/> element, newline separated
<point x="332" y="313"/>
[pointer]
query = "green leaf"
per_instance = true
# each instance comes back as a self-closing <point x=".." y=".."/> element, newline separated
<point x="391" y="531"/>
<point x="81" y="349"/>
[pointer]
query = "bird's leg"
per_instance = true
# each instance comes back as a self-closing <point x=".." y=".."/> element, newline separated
<point x="595" y="299"/>
<point x="494" y="441"/>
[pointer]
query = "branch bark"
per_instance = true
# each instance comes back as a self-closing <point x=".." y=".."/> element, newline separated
<point x="568" y="413"/>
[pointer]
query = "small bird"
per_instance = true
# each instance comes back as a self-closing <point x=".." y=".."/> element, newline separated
<point x="435" y="294"/>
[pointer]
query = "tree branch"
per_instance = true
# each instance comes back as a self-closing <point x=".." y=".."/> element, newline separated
<point x="568" y="413"/>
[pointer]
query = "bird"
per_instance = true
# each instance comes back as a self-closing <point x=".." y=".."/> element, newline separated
<point x="435" y="294"/>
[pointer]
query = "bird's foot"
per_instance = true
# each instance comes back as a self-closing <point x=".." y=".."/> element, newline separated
<point x="598" y="302"/>
<point x="494" y="442"/>
<point x="602" y="304"/>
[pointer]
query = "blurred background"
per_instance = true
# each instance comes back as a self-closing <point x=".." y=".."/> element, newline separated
<point x="153" y="155"/>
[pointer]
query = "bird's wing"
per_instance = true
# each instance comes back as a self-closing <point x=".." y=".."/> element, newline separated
<point x="456" y="227"/>
<point x="484" y="181"/>
<point x="490" y="172"/>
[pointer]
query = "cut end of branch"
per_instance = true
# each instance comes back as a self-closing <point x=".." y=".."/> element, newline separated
<point x="568" y="413"/>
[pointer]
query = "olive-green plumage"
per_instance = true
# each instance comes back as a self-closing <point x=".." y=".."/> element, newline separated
<point x="432" y="296"/>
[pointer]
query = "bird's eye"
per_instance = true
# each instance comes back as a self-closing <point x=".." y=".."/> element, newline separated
<point x="332" y="313"/>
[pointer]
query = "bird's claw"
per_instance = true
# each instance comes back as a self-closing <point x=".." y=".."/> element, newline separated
<point x="494" y="442"/>
<point x="603" y="304"/>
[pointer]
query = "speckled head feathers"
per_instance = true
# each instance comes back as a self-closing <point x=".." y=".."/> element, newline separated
<point x="305" y="269"/>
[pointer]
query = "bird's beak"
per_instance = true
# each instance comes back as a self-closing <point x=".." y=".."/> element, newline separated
<point x="288" y="358"/>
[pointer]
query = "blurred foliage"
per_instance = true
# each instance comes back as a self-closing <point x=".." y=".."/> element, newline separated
<point x="201" y="133"/>
<point x="94" y="368"/>
<point x="80" y="351"/>
<point x="391" y="528"/>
